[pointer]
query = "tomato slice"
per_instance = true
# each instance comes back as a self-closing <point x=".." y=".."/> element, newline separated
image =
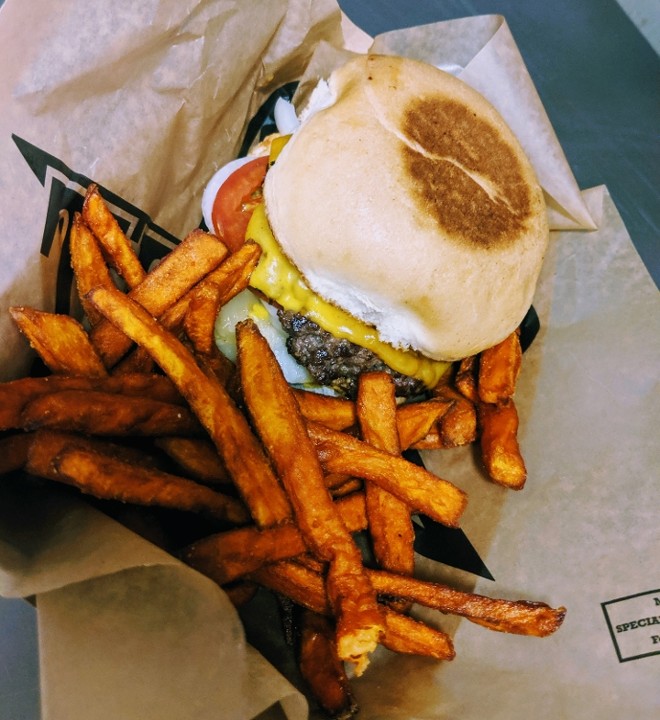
<point x="237" y="197"/>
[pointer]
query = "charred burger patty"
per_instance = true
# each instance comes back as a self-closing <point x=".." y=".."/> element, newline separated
<point x="337" y="363"/>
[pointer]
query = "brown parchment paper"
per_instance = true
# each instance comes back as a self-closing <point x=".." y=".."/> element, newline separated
<point x="148" y="99"/>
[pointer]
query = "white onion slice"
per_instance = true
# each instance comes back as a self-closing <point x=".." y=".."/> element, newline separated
<point x="214" y="184"/>
<point x="285" y="116"/>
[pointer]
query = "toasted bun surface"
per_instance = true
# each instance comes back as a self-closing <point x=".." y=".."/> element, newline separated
<point x="409" y="203"/>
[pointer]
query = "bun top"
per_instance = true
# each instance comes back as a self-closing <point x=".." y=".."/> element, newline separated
<point x="409" y="203"/>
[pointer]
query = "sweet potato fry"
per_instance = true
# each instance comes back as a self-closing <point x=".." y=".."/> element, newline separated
<point x="376" y="409"/>
<point x="14" y="451"/>
<point x="500" y="449"/>
<point x="227" y="556"/>
<point x="108" y="478"/>
<point x="176" y="274"/>
<point x="137" y="361"/>
<point x="417" y="487"/>
<point x="321" y="667"/>
<point x="416" y="420"/>
<point x="430" y="441"/>
<point x="116" y="246"/>
<point x="272" y="405"/>
<point x="60" y="341"/>
<point x="402" y="634"/>
<point x="499" y="368"/>
<point x="466" y="378"/>
<point x="173" y="318"/>
<point x="333" y="412"/>
<point x="353" y="511"/>
<point x="240" y="593"/>
<point x="408" y="636"/>
<point x="297" y="582"/>
<point x="197" y="457"/>
<point x="16" y="394"/>
<point x="511" y="616"/>
<point x="216" y="289"/>
<point x="390" y="524"/>
<point x="458" y="426"/>
<point x="89" y="267"/>
<point x="519" y="617"/>
<point x="101" y="413"/>
<point x="46" y="444"/>
<point x="226" y="425"/>
<point x="348" y="487"/>
<point x="220" y="367"/>
<point x="155" y="387"/>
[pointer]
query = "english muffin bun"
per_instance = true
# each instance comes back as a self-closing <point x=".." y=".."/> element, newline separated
<point x="410" y="204"/>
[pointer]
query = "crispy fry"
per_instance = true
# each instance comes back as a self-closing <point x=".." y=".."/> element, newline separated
<point x="197" y="457"/>
<point x="402" y="633"/>
<point x="336" y="480"/>
<point x="416" y="420"/>
<point x="226" y="425"/>
<point x="241" y="593"/>
<point x="173" y="318"/>
<point x="353" y="511"/>
<point x="500" y="450"/>
<point x="466" y="378"/>
<point x="16" y="394"/>
<point x="272" y="406"/>
<point x="113" y="472"/>
<point x="390" y="524"/>
<point x="376" y="409"/>
<point x="458" y="426"/>
<point x="117" y="247"/>
<point x="499" y="368"/>
<point x="60" y="341"/>
<point x="348" y="487"/>
<point x="46" y="444"/>
<point x="417" y="487"/>
<point x="217" y="288"/>
<point x="227" y="556"/>
<point x="333" y="412"/>
<point x="136" y="361"/>
<point x="109" y="478"/>
<point x="219" y="366"/>
<point x="14" y="451"/>
<point x="408" y="636"/>
<point x="430" y="441"/>
<point x="297" y="582"/>
<point x="321" y="667"/>
<point x="179" y="271"/>
<point x="89" y="267"/>
<point x="511" y="616"/>
<point x="102" y="413"/>
<point x="155" y="387"/>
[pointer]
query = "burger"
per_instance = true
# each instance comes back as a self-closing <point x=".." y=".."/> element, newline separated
<point x="401" y="224"/>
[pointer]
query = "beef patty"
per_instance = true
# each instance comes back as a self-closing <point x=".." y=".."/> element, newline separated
<point x="337" y="363"/>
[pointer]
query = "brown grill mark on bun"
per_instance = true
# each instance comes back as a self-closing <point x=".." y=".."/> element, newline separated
<point x="464" y="175"/>
<point x="409" y="203"/>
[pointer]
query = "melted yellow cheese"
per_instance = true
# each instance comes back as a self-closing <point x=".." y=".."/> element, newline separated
<point x="277" y="278"/>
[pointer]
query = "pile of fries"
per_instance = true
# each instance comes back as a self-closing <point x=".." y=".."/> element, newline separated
<point x="140" y="409"/>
